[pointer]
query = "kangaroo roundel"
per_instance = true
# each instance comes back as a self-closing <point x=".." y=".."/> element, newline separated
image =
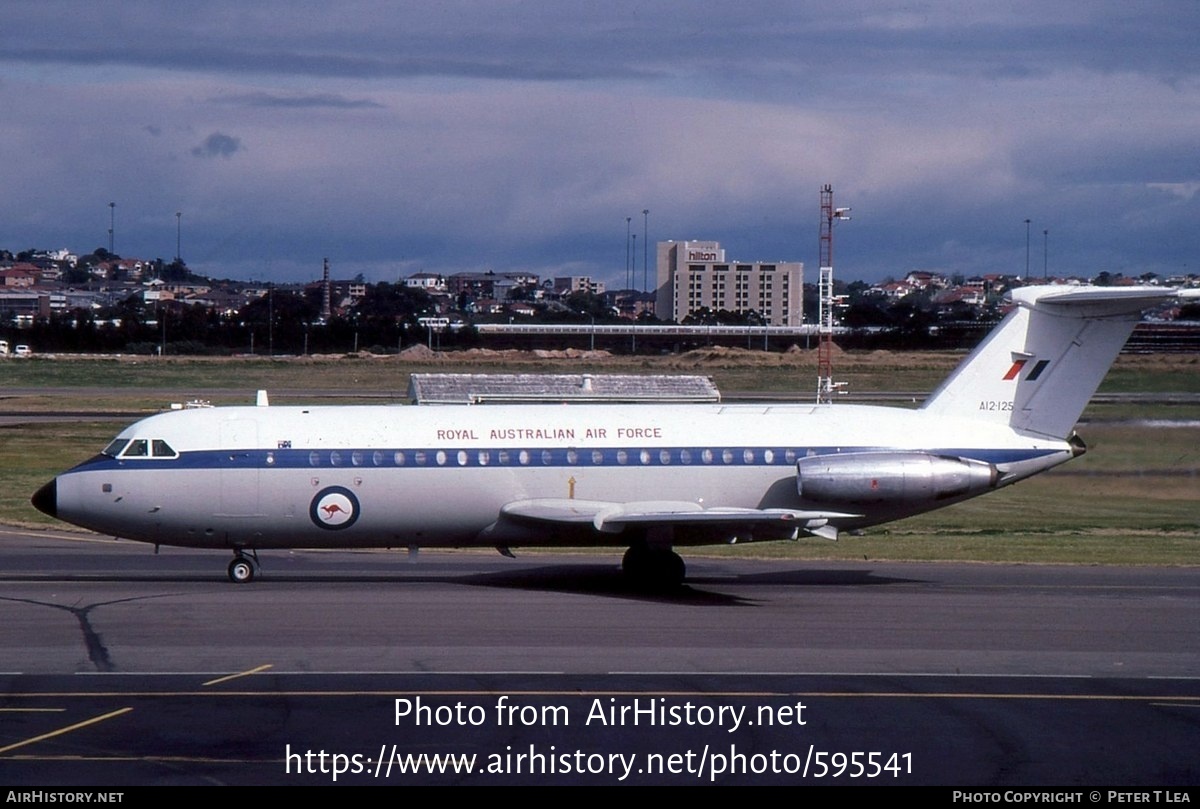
<point x="334" y="508"/>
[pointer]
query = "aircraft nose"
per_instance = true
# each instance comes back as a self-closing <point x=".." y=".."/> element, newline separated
<point x="45" y="499"/>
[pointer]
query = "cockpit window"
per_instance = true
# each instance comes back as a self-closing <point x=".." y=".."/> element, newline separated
<point x="138" y="448"/>
<point x="114" y="449"/>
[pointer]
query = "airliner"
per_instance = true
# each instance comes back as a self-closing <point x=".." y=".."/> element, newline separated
<point x="646" y="478"/>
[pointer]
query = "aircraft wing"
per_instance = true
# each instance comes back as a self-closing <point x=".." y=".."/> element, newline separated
<point x="692" y="523"/>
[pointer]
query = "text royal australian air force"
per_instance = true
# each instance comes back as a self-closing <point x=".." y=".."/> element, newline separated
<point x="550" y="433"/>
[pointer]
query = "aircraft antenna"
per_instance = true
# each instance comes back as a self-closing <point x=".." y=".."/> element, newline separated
<point x="826" y="299"/>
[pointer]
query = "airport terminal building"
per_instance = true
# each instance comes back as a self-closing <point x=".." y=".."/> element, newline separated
<point x="694" y="275"/>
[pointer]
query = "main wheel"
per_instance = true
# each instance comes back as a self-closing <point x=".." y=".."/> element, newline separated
<point x="671" y="570"/>
<point x="241" y="570"/>
<point x="654" y="568"/>
<point x="636" y="561"/>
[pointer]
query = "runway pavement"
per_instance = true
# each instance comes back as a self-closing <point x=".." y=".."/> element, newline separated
<point x="123" y="667"/>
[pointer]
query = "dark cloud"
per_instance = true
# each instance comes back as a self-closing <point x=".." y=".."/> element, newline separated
<point x="281" y="61"/>
<point x="623" y="39"/>
<point x="218" y="145"/>
<point x="944" y="124"/>
<point x="328" y="100"/>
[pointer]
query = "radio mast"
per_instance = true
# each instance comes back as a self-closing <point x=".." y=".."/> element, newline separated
<point x="326" y="310"/>
<point x="826" y="299"/>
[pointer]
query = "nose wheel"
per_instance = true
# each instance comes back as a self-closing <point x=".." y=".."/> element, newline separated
<point x="242" y="569"/>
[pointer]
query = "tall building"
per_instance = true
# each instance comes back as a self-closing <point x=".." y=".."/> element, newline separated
<point x="694" y="275"/>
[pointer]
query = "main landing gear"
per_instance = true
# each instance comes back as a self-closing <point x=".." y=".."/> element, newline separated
<point x="243" y="568"/>
<point x="654" y="567"/>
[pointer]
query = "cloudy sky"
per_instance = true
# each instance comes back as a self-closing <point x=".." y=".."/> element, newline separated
<point x="398" y="137"/>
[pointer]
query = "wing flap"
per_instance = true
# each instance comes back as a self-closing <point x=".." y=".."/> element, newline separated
<point x="691" y="521"/>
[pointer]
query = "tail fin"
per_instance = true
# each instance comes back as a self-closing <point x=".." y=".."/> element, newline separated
<point x="1037" y="370"/>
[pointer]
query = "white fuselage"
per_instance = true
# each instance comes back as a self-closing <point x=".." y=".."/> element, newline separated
<point x="396" y="476"/>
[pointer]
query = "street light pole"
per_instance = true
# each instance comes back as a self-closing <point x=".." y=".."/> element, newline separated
<point x="1026" y="249"/>
<point x="178" y="235"/>
<point x="270" y="319"/>
<point x="645" y="248"/>
<point x="629" y="276"/>
<point x="633" y="337"/>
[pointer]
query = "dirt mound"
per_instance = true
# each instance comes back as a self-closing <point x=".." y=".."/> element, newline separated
<point x="716" y="353"/>
<point x="494" y="354"/>
<point x="418" y="351"/>
<point x="571" y="354"/>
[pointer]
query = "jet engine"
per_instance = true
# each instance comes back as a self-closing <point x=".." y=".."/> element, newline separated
<point x="891" y="477"/>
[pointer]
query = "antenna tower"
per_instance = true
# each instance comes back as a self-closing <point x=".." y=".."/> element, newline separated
<point x="826" y="299"/>
<point x="326" y="312"/>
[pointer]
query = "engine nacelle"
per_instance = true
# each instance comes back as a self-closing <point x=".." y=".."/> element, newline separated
<point x="891" y="477"/>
